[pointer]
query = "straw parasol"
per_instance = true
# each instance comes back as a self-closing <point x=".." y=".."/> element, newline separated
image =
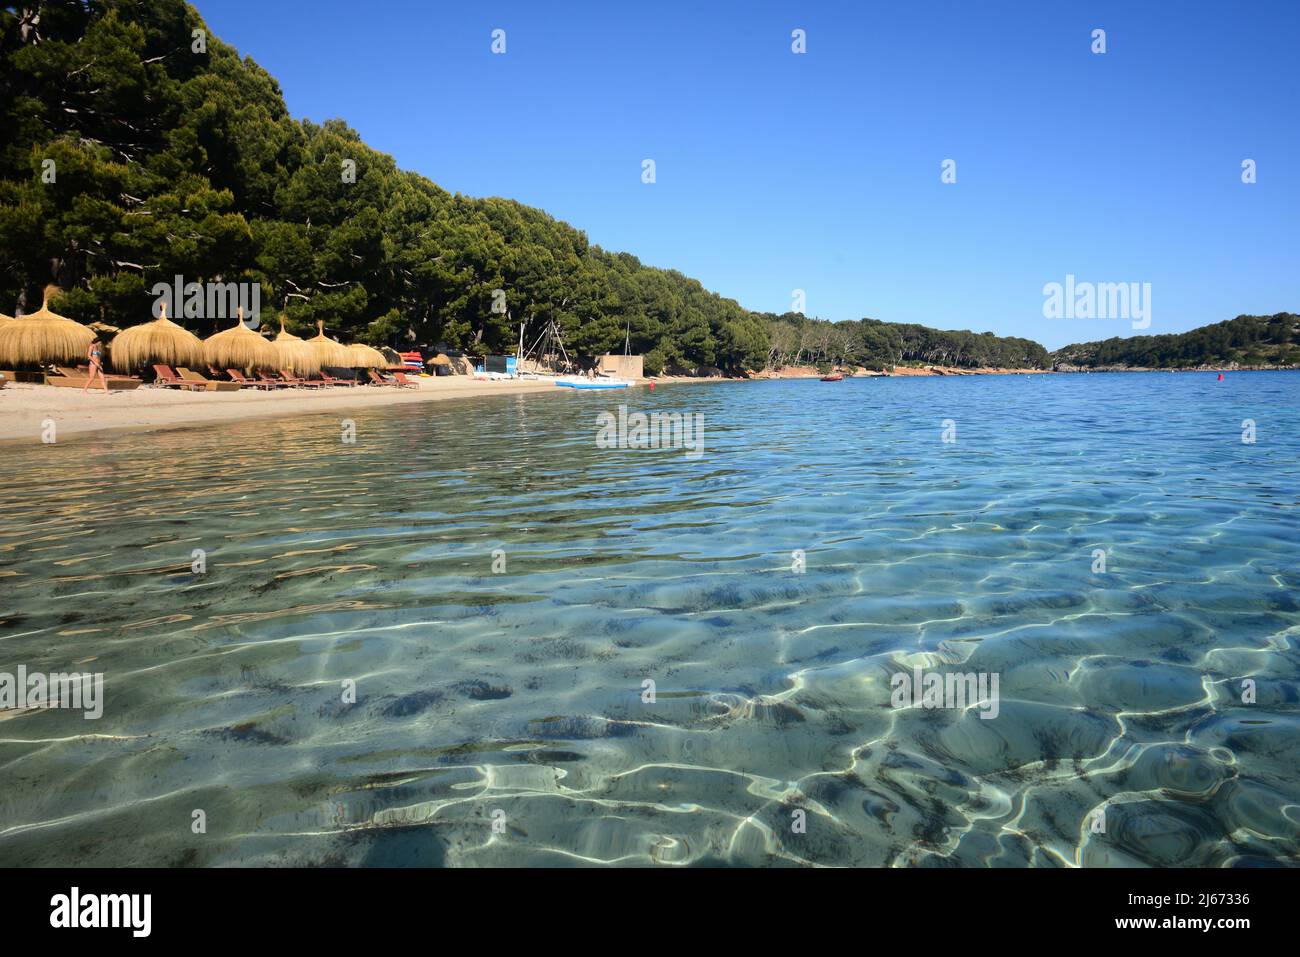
<point x="43" y="337"/>
<point x="239" y="347"/>
<point x="158" y="341"/>
<point x="295" y="354"/>
<point x="393" y="357"/>
<point x="364" y="357"/>
<point x="329" y="351"/>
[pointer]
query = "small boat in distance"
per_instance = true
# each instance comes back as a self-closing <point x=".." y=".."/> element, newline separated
<point x="577" y="382"/>
<point x="833" y="377"/>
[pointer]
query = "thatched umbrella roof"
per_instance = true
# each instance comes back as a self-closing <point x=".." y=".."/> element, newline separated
<point x="439" y="360"/>
<point x="329" y="351"/>
<point x="239" y="347"/>
<point x="295" y="354"/>
<point x="364" y="357"/>
<point x="43" y="337"/>
<point x="158" y="341"/>
<point x="393" y="356"/>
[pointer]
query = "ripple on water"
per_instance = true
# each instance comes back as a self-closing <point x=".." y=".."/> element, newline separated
<point x="682" y="662"/>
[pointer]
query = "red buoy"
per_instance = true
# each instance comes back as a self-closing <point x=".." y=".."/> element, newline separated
<point x="1220" y="376"/>
<point x="652" y="384"/>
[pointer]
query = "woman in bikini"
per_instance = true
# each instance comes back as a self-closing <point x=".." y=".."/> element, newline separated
<point x="94" y="356"/>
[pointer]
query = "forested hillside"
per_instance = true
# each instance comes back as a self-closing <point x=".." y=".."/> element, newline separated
<point x="796" y="340"/>
<point x="1245" y="341"/>
<point x="171" y="156"/>
<point x="171" y="162"/>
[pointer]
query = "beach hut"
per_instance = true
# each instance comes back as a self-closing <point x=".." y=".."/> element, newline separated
<point x="628" y="367"/>
<point x="296" y="354"/>
<point x="43" y="337"/>
<point x="239" y="347"/>
<point x="331" y="353"/>
<point x="364" y="357"/>
<point x="161" y="340"/>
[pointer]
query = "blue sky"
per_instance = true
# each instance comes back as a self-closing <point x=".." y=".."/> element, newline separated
<point x="821" y="171"/>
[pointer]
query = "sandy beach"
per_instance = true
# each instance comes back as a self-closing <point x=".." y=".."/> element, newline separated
<point x="24" y="408"/>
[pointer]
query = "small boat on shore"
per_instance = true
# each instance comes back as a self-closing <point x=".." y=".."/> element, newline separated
<point x="833" y="377"/>
<point x="576" y="383"/>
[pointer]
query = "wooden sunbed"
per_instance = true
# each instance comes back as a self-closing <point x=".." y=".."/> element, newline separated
<point x="212" y="385"/>
<point x="288" y="376"/>
<point x="76" y="378"/>
<point x="285" y="383"/>
<point x="167" y="377"/>
<point x="336" y="380"/>
<point x="243" y="380"/>
<point x="274" y="381"/>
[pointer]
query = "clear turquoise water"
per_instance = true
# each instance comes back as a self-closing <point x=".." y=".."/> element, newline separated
<point x="519" y="694"/>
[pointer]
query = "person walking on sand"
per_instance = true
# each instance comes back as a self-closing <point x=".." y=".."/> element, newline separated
<point x="94" y="355"/>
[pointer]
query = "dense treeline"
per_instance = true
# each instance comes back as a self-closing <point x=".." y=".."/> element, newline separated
<point x="135" y="148"/>
<point x="1245" y="341"/>
<point x="169" y="161"/>
<point x="796" y="340"/>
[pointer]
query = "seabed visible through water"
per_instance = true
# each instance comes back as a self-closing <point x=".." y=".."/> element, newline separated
<point x="498" y="590"/>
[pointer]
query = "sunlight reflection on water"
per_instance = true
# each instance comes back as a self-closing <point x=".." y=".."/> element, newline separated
<point x="517" y="698"/>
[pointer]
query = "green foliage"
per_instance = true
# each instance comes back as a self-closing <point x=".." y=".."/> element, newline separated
<point x="174" y="162"/>
<point x="1246" y="340"/>
<point x="796" y="340"/>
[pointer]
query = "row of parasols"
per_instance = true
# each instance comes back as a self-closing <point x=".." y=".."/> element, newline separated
<point x="44" y="338"/>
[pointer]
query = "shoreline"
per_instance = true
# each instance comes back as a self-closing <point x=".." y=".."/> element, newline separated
<point x="24" y="407"/>
<point x="908" y="372"/>
<point x="899" y="372"/>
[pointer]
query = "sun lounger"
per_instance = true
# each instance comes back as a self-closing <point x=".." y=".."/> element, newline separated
<point x="289" y="377"/>
<point x="167" y="377"/>
<point x="273" y="381"/>
<point x="212" y="385"/>
<point x="68" y="378"/>
<point x="243" y="380"/>
<point x="330" y="379"/>
<point x="377" y="379"/>
<point x="404" y="382"/>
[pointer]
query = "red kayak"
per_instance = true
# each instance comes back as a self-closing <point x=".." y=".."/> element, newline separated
<point x="833" y="377"/>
